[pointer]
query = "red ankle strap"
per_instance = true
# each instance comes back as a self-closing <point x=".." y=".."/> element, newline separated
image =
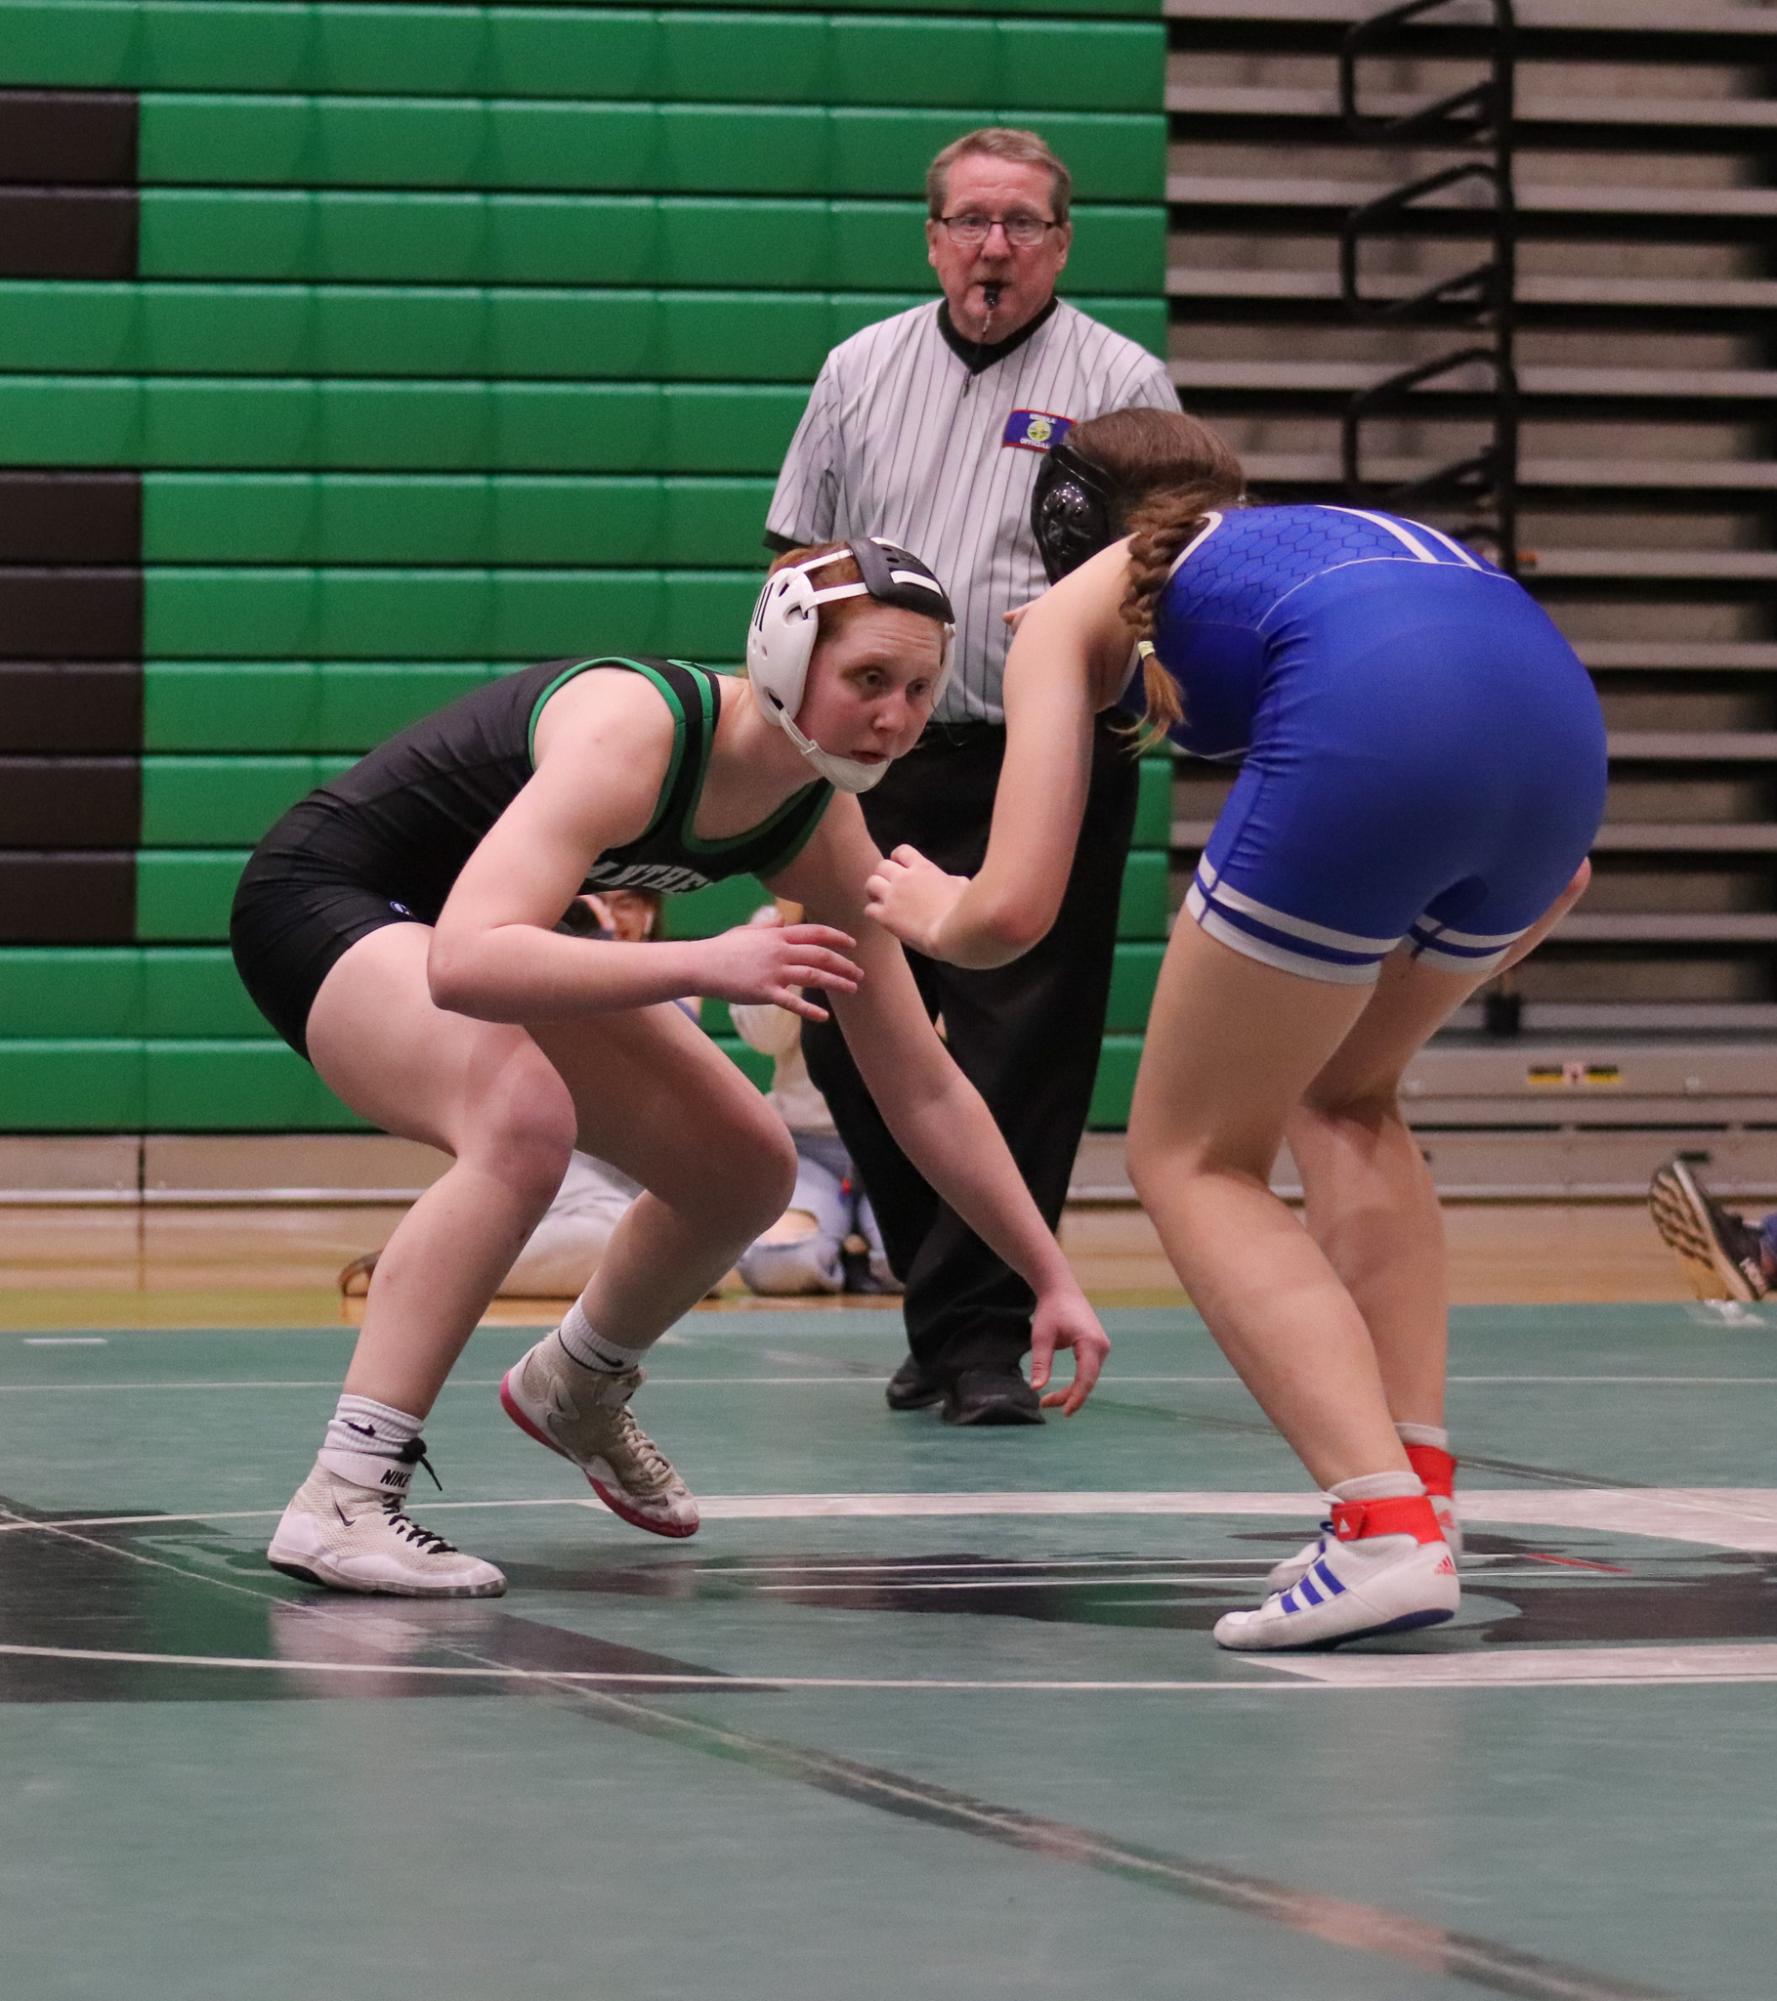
<point x="1435" y="1467"/>
<point x="1404" y="1514"/>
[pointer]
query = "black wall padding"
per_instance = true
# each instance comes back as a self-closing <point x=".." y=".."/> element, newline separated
<point x="70" y="517"/>
<point x="69" y="802"/>
<point x="69" y="706"/>
<point x="71" y="614"/>
<point x="63" y="899"/>
<point x="68" y="233"/>
<point x="68" y="135"/>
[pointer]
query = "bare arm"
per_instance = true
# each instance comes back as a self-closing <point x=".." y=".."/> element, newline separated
<point x="934" y="1112"/>
<point x="1066" y="663"/>
<point x="495" y="953"/>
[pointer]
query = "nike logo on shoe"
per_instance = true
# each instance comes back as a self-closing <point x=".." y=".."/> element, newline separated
<point x="560" y="1408"/>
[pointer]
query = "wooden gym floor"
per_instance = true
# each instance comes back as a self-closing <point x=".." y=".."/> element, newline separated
<point x="278" y="1265"/>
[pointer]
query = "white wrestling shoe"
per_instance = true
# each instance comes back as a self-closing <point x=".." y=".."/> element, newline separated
<point x="354" y="1538"/>
<point x="1386" y="1569"/>
<point x="1437" y="1474"/>
<point x="583" y="1414"/>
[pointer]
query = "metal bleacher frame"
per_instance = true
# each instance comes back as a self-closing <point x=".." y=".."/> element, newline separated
<point x="1477" y="301"/>
<point x="1626" y="1052"/>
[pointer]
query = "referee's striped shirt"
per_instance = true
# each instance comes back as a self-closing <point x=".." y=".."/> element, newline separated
<point x="914" y="433"/>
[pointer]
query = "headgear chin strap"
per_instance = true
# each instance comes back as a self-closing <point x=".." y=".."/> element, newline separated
<point x="786" y="624"/>
<point x="1074" y="511"/>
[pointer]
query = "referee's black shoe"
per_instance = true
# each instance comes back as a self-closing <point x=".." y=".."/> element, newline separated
<point x="911" y="1388"/>
<point x="991" y="1396"/>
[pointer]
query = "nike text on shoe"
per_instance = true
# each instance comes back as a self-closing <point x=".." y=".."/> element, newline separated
<point x="352" y="1538"/>
<point x="1437" y="1474"/>
<point x="1386" y="1569"/>
<point x="1719" y="1252"/>
<point x="583" y="1414"/>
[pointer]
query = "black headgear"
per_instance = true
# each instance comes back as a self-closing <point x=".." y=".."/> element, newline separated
<point x="892" y="576"/>
<point x="1073" y="511"/>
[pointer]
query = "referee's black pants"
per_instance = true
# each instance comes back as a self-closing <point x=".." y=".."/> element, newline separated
<point x="1026" y="1035"/>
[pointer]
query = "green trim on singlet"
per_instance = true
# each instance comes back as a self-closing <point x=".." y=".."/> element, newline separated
<point x="797" y="802"/>
<point x="668" y="694"/>
<point x="812" y="800"/>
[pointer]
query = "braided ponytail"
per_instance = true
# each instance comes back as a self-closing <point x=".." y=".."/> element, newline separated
<point x="1172" y="471"/>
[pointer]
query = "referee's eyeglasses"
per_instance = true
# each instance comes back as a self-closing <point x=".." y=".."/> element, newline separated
<point x="971" y="229"/>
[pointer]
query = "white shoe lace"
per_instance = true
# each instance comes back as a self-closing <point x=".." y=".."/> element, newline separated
<point x="655" y="1467"/>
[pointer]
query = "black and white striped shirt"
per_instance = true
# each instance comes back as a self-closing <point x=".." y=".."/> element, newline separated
<point x="913" y="434"/>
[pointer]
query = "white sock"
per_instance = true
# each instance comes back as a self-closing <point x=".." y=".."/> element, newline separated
<point x="583" y="1343"/>
<point x="364" y="1442"/>
<point x="1378" y="1487"/>
<point x="1423" y="1434"/>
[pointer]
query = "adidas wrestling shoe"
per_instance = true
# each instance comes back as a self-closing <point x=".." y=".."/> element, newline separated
<point x="1437" y="1474"/>
<point x="583" y="1414"/>
<point x="349" y="1537"/>
<point x="1720" y="1254"/>
<point x="1386" y="1569"/>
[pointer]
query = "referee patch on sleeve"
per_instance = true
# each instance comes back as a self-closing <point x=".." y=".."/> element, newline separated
<point x="1035" y="430"/>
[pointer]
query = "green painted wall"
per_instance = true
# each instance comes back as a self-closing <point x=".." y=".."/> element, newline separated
<point x="465" y="336"/>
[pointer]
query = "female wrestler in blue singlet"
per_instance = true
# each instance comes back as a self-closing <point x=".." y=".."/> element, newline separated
<point x="1422" y="773"/>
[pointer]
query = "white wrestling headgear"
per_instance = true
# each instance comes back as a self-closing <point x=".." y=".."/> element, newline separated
<point x="786" y="623"/>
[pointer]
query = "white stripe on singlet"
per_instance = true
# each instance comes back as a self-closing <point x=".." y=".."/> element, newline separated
<point x="1393" y="528"/>
<point x="899" y="439"/>
<point x="1211" y="522"/>
<point x="1456" y="549"/>
<point x="1399" y="530"/>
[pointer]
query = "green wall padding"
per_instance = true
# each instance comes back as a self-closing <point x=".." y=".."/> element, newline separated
<point x="468" y="335"/>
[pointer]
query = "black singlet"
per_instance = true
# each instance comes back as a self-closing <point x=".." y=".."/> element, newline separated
<point x="406" y="818"/>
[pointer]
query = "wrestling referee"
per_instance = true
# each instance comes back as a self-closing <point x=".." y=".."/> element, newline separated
<point x="929" y="428"/>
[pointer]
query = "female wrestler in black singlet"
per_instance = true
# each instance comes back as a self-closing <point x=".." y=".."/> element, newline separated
<point x="398" y="928"/>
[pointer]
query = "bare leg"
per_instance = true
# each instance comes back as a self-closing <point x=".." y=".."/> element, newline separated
<point x="636" y="1088"/>
<point x="1231" y="1045"/>
<point x="483" y="1092"/>
<point x="659" y="1101"/>
<point x="1371" y="1203"/>
<point x="642" y="1089"/>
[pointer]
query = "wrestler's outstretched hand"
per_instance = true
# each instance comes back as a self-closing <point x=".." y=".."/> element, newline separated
<point x="911" y="897"/>
<point x="774" y="963"/>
